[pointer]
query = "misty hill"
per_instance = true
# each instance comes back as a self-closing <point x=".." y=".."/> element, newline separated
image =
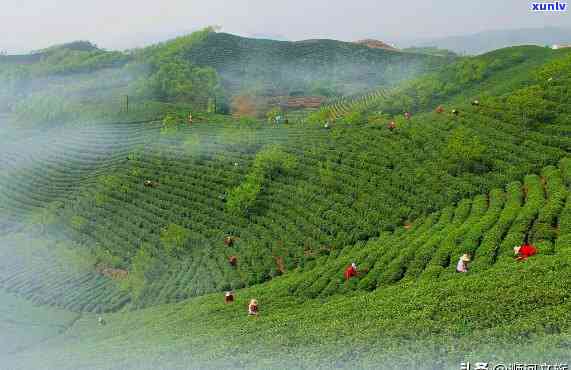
<point x="37" y="56"/>
<point x="270" y="67"/>
<point x="482" y="42"/>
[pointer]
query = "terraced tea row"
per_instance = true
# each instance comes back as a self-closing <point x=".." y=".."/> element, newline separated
<point x="487" y="228"/>
<point x="52" y="164"/>
<point x="337" y="109"/>
<point x="39" y="271"/>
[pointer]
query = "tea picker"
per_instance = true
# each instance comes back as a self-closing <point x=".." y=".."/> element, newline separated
<point x="253" y="308"/>
<point x="351" y="271"/>
<point x="462" y="265"/>
<point x="524" y="252"/>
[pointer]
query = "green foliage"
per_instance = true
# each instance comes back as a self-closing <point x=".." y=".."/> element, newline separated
<point x="171" y="123"/>
<point x="497" y="73"/>
<point x="531" y="104"/>
<point x="243" y="197"/>
<point x="404" y="206"/>
<point x="174" y="238"/>
<point x="464" y="150"/>
<point x="354" y="117"/>
<point x="177" y="80"/>
<point x="137" y="280"/>
<point x="78" y="223"/>
<point x="268" y="163"/>
<point x="345" y="186"/>
<point x="105" y="258"/>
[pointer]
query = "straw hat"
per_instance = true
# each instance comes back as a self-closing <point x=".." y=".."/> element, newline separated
<point x="516" y="249"/>
<point x="354" y="265"/>
<point x="254" y="302"/>
<point x="465" y="258"/>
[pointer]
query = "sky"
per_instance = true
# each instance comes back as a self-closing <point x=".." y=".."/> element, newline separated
<point x="27" y="25"/>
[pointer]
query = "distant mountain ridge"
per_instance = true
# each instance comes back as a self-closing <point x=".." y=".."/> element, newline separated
<point x="483" y="42"/>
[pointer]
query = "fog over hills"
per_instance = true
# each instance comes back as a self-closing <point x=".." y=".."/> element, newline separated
<point x="483" y="42"/>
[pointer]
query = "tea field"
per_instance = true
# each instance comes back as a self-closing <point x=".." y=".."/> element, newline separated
<point x="138" y="223"/>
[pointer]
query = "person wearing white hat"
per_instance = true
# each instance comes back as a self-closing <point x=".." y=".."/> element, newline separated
<point x="351" y="271"/>
<point x="229" y="297"/>
<point x="462" y="265"/>
<point x="253" y="308"/>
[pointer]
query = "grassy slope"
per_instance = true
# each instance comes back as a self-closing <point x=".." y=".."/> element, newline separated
<point x="480" y="316"/>
<point x="420" y="322"/>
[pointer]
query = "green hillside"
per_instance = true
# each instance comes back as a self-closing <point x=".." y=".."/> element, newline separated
<point x="129" y="221"/>
<point x="271" y="67"/>
<point x="201" y="72"/>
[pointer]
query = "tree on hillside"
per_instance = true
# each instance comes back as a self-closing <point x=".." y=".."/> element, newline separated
<point x="177" y="80"/>
<point x="172" y="77"/>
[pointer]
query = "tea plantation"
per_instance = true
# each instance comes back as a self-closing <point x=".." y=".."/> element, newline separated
<point x="138" y="222"/>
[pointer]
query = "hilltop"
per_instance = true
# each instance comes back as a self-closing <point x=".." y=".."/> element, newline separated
<point x="280" y="67"/>
<point x="376" y="44"/>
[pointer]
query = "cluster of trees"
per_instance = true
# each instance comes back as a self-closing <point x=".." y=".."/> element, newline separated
<point x="79" y="80"/>
<point x="269" y="162"/>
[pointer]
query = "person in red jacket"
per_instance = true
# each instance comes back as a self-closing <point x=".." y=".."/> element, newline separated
<point x="524" y="252"/>
<point x="233" y="261"/>
<point x="392" y="125"/>
<point x="351" y="271"/>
